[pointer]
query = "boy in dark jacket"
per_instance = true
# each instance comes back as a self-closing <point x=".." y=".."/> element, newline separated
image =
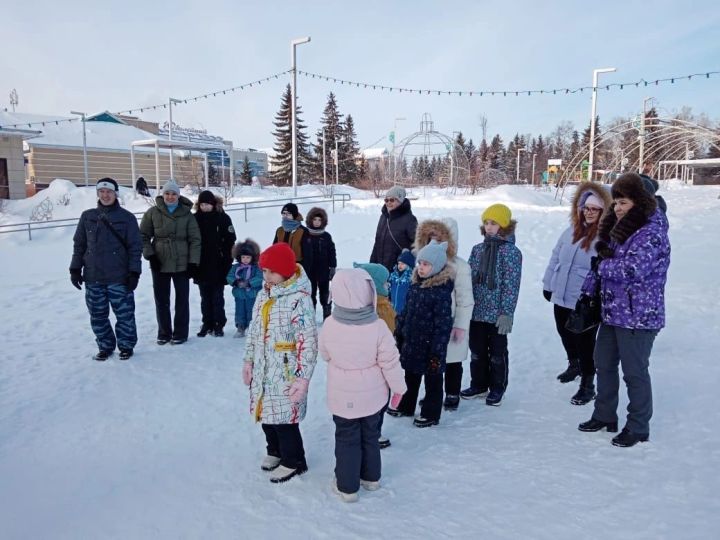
<point x="423" y="332"/>
<point x="324" y="260"/>
<point x="246" y="279"/>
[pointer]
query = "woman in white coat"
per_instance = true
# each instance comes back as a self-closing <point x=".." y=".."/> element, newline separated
<point x="569" y="264"/>
<point x="446" y="230"/>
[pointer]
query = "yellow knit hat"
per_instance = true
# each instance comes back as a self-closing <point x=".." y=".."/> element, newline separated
<point x="499" y="213"/>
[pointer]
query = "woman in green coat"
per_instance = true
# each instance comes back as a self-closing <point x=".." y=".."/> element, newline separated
<point x="171" y="243"/>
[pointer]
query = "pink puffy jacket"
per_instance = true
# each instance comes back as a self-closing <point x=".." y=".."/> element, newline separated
<point x="363" y="361"/>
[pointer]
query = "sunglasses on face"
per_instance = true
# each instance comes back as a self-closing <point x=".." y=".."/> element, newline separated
<point x="592" y="209"/>
<point x="390" y="200"/>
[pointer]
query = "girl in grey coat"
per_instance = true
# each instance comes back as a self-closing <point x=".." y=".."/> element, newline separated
<point x="569" y="264"/>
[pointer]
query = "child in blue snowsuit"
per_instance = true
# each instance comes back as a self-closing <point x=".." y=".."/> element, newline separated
<point x="400" y="279"/>
<point x="246" y="279"/>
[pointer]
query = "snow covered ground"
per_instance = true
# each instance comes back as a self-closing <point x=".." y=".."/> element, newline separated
<point x="162" y="446"/>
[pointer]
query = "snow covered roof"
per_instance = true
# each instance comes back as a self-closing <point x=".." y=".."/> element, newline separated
<point x="374" y="153"/>
<point x="100" y="135"/>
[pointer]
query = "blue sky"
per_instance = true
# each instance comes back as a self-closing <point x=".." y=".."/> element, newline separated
<point x="120" y="55"/>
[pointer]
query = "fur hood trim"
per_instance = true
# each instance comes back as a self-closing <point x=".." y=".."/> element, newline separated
<point x="448" y="273"/>
<point x="597" y="189"/>
<point x="442" y="232"/>
<point x="248" y="243"/>
<point x="316" y="212"/>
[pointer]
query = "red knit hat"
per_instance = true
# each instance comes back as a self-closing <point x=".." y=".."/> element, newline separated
<point x="279" y="258"/>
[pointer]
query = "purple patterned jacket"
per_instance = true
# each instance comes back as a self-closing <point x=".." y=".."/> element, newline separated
<point x="632" y="282"/>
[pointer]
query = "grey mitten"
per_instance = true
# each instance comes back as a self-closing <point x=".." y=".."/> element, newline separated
<point x="504" y="324"/>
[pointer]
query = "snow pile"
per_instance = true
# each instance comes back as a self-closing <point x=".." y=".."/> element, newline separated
<point x="162" y="446"/>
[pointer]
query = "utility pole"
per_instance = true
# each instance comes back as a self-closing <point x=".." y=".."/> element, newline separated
<point x="642" y="135"/>
<point x="593" y="114"/>
<point x="324" y="161"/>
<point x="293" y="110"/>
<point x="170" y="130"/>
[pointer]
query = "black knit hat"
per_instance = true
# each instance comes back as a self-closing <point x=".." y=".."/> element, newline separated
<point x="292" y="208"/>
<point x="207" y="197"/>
<point x="106" y="183"/>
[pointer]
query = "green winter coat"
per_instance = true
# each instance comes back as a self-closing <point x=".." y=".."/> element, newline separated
<point x="174" y="238"/>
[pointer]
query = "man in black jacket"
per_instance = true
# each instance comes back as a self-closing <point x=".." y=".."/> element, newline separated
<point x="106" y="257"/>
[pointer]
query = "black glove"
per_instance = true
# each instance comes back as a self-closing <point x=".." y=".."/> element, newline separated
<point x="132" y="281"/>
<point x="76" y="278"/>
<point x="332" y="273"/>
<point x="604" y="251"/>
<point x="594" y="263"/>
<point x="192" y="270"/>
<point x="155" y="264"/>
<point x="547" y="295"/>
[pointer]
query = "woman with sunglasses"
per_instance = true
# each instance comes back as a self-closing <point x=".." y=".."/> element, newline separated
<point x="395" y="230"/>
<point x="569" y="264"/>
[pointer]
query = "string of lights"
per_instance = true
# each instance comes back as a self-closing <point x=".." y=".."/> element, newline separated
<point x="508" y="93"/>
<point x="161" y="105"/>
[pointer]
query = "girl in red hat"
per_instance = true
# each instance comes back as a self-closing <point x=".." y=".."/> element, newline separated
<point x="280" y="356"/>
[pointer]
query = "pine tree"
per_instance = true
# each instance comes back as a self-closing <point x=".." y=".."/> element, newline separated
<point x="496" y="153"/>
<point x="332" y="123"/>
<point x="282" y="161"/>
<point x="348" y="150"/>
<point x="246" y="173"/>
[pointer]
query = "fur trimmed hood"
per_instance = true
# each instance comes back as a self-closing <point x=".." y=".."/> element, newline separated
<point x="442" y="233"/>
<point x="247" y="245"/>
<point x="581" y="193"/>
<point x="448" y="273"/>
<point x="219" y="202"/>
<point x="316" y="212"/>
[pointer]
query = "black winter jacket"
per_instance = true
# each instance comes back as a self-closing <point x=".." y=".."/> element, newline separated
<point x="217" y="239"/>
<point x="323" y="256"/>
<point x="395" y="232"/>
<point x="424" y="325"/>
<point x="99" y="253"/>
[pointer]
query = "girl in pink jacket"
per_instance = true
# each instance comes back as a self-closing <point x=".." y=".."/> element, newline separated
<point x="363" y="365"/>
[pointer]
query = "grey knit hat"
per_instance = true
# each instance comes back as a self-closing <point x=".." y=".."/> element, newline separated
<point x="396" y="192"/>
<point x="170" y="185"/>
<point x="434" y="253"/>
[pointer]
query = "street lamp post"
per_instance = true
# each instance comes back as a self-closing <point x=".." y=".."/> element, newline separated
<point x="592" y="117"/>
<point x="324" y="161"/>
<point x="85" y="161"/>
<point x="394" y="138"/>
<point x="170" y="129"/>
<point x="517" y="164"/>
<point x="293" y="112"/>
<point x="533" y="169"/>
<point x="642" y="134"/>
<point x="337" y="163"/>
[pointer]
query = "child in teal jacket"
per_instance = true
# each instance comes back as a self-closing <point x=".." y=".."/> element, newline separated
<point x="246" y="279"/>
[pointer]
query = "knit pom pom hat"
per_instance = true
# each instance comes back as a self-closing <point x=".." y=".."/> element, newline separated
<point x="279" y="258"/>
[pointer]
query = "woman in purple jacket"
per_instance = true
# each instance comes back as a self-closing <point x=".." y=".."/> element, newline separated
<point x="569" y="264"/>
<point x="634" y="255"/>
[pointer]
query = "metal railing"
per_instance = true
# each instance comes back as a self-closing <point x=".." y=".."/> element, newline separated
<point x="334" y="198"/>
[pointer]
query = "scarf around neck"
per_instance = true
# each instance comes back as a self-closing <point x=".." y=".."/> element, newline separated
<point x="289" y="225"/>
<point x="316" y="232"/>
<point x="354" y="316"/>
<point x="488" y="262"/>
<point x="243" y="268"/>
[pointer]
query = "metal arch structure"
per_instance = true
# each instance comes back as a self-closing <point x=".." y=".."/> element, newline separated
<point x="672" y="141"/>
<point x="428" y="144"/>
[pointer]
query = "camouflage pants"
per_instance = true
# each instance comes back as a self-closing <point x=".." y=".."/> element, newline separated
<point x="99" y="298"/>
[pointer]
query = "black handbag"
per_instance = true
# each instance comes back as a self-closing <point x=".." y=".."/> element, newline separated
<point x="585" y="316"/>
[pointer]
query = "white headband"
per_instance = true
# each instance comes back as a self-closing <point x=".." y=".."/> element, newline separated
<point x="105" y="185"/>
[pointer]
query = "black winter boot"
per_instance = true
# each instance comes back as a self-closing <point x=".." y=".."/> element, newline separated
<point x="218" y="330"/>
<point x="204" y="329"/>
<point x="572" y="372"/>
<point x="586" y="392"/>
<point x="327" y="310"/>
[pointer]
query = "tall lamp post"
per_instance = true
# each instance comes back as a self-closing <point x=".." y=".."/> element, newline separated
<point x="293" y="111"/>
<point x="170" y="128"/>
<point x="85" y="163"/>
<point x="394" y="138"/>
<point x="592" y="117"/>
<point x="517" y="164"/>
<point x="642" y="134"/>
<point x="532" y="178"/>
